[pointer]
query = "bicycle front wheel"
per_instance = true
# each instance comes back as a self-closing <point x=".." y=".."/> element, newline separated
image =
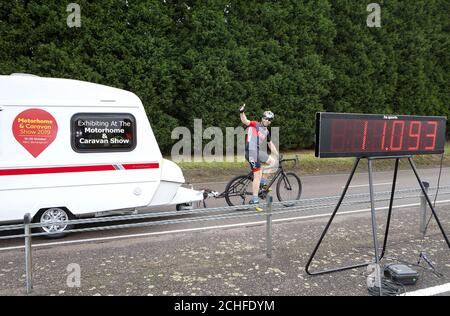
<point x="239" y="191"/>
<point x="289" y="187"/>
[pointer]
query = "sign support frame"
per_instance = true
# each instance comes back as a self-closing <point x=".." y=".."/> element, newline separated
<point x="378" y="256"/>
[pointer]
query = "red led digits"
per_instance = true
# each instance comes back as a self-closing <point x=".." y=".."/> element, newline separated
<point x="374" y="135"/>
<point x="432" y="135"/>
<point x="356" y="131"/>
<point x="414" y="136"/>
<point x="365" y="135"/>
<point x="397" y="137"/>
<point x="383" y="137"/>
<point x="364" y="142"/>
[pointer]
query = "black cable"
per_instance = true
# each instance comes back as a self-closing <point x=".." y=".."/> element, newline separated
<point x="435" y="197"/>
<point x="388" y="288"/>
<point x="392" y="288"/>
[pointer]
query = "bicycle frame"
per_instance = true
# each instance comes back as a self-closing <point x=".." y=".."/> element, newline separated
<point x="280" y="172"/>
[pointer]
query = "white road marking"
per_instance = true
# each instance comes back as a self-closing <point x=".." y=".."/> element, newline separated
<point x="212" y="227"/>
<point x="431" y="291"/>
<point x="366" y="185"/>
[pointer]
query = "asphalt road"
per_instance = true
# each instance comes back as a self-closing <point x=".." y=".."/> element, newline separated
<point x="330" y="185"/>
<point x="313" y="187"/>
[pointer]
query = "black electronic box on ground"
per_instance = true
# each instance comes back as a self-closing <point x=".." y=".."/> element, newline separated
<point x="402" y="274"/>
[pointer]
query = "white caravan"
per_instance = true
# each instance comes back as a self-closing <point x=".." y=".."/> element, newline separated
<point x="70" y="148"/>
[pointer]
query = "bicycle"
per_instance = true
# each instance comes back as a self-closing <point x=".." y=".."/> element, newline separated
<point x="288" y="188"/>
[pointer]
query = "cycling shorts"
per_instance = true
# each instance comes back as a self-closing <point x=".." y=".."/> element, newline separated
<point x="255" y="159"/>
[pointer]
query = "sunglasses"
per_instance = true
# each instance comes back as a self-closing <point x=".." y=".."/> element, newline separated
<point x="268" y="119"/>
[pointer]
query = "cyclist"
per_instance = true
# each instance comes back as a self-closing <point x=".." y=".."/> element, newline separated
<point x="258" y="132"/>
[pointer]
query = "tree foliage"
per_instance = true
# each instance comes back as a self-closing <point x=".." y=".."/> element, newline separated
<point x="190" y="59"/>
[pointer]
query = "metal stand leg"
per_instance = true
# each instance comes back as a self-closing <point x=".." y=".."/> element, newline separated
<point x="355" y="165"/>
<point x="269" y="227"/>
<point x="378" y="257"/>
<point x="424" y="191"/>
<point x="374" y="228"/>
<point x="391" y="203"/>
<point x="374" y="225"/>
<point x="28" y="255"/>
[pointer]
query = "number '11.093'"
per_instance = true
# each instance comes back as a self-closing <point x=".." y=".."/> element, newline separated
<point x="359" y="135"/>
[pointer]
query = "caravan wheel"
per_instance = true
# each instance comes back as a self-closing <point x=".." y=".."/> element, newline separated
<point x="52" y="215"/>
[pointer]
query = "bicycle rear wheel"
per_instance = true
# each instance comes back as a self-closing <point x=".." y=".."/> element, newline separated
<point x="239" y="191"/>
<point x="289" y="187"/>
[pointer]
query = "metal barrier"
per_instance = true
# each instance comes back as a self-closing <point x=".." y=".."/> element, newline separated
<point x="208" y="214"/>
<point x="28" y="254"/>
<point x="423" y="209"/>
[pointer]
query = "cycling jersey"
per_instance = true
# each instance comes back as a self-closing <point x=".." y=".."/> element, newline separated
<point x="256" y="134"/>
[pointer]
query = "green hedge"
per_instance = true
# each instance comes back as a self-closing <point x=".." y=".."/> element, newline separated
<point x="202" y="59"/>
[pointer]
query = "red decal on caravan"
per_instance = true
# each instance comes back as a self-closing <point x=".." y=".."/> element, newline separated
<point x="35" y="130"/>
<point x="71" y="169"/>
<point x="49" y="170"/>
<point x="152" y="165"/>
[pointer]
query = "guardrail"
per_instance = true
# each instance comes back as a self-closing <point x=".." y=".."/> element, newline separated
<point x="209" y="214"/>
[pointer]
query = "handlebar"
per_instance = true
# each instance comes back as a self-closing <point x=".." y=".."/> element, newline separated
<point x="281" y="159"/>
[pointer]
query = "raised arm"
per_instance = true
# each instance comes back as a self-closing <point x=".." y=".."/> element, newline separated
<point x="244" y="119"/>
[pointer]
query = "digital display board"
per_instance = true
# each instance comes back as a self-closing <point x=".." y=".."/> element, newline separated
<point x="372" y="135"/>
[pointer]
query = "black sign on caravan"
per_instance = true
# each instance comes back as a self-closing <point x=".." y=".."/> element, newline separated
<point x="103" y="132"/>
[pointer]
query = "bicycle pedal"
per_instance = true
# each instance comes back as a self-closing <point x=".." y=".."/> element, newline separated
<point x="264" y="190"/>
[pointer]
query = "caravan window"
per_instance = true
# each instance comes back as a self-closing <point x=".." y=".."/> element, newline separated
<point x="103" y="132"/>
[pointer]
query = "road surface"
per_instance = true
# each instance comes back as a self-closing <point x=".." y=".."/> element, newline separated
<point x="227" y="257"/>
